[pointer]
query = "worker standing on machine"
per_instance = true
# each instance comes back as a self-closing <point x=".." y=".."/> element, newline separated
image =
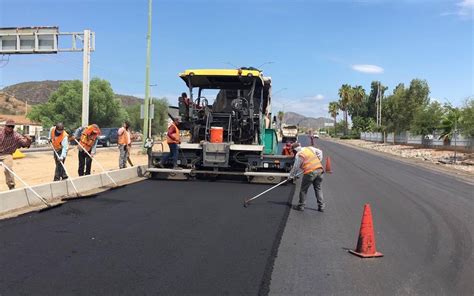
<point x="287" y="150"/>
<point x="308" y="160"/>
<point x="173" y="140"/>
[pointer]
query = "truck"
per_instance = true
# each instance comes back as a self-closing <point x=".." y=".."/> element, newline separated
<point x="230" y="137"/>
<point x="289" y="133"/>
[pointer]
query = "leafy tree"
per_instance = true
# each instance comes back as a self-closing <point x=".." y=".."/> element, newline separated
<point x="427" y="119"/>
<point x="65" y="105"/>
<point x="449" y="122"/>
<point x="466" y="122"/>
<point x="399" y="109"/>
<point x="334" y="111"/>
<point x="363" y="124"/>
<point x="371" y="102"/>
<point x="158" y="123"/>
<point x="280" y="116"/>
<point x="345" y="93"/>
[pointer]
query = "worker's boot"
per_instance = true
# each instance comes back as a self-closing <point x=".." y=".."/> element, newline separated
<point x="298" y="208"/>
<point x="11" y="187"/>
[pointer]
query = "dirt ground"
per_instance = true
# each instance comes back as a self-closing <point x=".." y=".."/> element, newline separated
<point x="38" y="168"/>
<point x="427" y="155"/>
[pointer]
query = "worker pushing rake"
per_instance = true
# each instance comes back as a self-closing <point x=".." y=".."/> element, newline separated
<point x="43" y="200"/>
<point x="307" y="163"/>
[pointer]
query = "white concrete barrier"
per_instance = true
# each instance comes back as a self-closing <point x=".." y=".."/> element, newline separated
<point x="24" y="198"/>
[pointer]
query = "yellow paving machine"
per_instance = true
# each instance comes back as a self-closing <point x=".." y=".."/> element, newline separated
<point x="233" y="136"/>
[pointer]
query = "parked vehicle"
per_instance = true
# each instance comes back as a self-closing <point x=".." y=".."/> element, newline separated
<point x="42" y="141"/>
<point x="108" y="136"/>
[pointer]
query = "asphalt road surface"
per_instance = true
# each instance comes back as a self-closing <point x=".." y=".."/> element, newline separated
<point x="424" y="225"/>
<point x="152" y="237"/>
<point x="181" y="238"/>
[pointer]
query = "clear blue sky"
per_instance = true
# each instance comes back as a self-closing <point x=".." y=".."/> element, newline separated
<point x="315" y="46"/>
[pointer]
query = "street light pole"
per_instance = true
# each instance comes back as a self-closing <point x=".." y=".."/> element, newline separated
<point x="146" y="109"/>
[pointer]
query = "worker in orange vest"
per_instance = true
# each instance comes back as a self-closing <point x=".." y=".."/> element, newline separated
<point x="124" y="144"/>
<point x="58" y="138"/>
<point x="88" y="138"/>
<point x="173" y="140"/>
<point x="308" y="162"/>
<point x="287" y="150"/>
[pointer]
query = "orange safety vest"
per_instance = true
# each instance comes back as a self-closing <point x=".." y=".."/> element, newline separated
<point x="288" y="151"/>
<point x="124" y="138"/>
<point x="311" y="162"/>
<point x="56" y="141"/>
<point x="88" y="138"/>
<point x="171" y="140"/>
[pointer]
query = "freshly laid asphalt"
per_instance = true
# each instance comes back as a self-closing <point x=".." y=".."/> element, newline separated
<point x="423" y="221"/>
<point x="152" y="237"/>
<point x="183" y="238"/>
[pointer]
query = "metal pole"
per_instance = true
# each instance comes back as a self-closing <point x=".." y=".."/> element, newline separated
<point x="85" y="77"/>
<point x="455" y="136"/>
<point x="146" y="109"/>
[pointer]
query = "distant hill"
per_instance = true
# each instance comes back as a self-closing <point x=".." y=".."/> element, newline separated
<point x="293" y="118"/>
<point x="38" y="92"/>
<point x="11" y="106"/>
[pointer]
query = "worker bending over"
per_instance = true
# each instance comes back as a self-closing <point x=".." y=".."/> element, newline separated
<point x="88" y="138"/>
<point x="308" y="162"/>
<point x="59" y="140"/>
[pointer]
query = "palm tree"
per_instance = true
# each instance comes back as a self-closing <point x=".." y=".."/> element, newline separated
<point x="345" y="93"/>
<point x="358" y="95"/>
<point x="280" y="116"/>
<point x="334" y="111"/>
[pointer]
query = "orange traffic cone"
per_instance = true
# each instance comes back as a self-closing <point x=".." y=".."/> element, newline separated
<point x="328" y="165"/>
<point x="366" y="243"/>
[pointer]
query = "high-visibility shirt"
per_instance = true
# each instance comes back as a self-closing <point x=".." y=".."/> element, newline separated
<point x="89" y="136"/>
<point x="59" y="142"/>
<point x="288" y="151"/>
<point x="310" y="161"/>
<point x="123" y="136"/>
<point x="172" y="136"/>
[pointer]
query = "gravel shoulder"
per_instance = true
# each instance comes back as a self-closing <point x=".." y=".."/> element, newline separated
<point x="421" y="157"/>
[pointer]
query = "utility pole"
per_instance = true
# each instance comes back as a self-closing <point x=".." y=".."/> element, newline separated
<point x="86" y="66"/>
<point x="146" y="109"/>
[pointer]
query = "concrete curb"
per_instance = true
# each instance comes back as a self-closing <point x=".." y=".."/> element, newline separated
<point x="24" y="200"/>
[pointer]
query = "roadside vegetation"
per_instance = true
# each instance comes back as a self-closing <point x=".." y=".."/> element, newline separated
<point x="407" y="108"/>
<point x="106" y="110"/>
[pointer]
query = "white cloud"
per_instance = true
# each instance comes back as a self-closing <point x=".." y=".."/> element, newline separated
<point x="318" y="97"/>
<point x="465" y="9"/>
<point x="370" y="69"/>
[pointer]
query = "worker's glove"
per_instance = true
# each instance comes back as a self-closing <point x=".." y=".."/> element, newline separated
<point x="291" y="178"/>
<point x="61" y="158"/>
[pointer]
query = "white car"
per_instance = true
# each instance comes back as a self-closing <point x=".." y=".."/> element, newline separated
<point x="42" y="141"/>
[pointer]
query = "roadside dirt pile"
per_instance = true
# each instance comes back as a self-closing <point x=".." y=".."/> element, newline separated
<point x="464" y="161"/>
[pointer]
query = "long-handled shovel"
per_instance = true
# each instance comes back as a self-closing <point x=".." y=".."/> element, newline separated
<point x="65" y="170"/>
<point x="48" y="205"/>
<point x="101" y="167"/>
<point x="247" y="201"/>
<point x="78" y="195"/>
